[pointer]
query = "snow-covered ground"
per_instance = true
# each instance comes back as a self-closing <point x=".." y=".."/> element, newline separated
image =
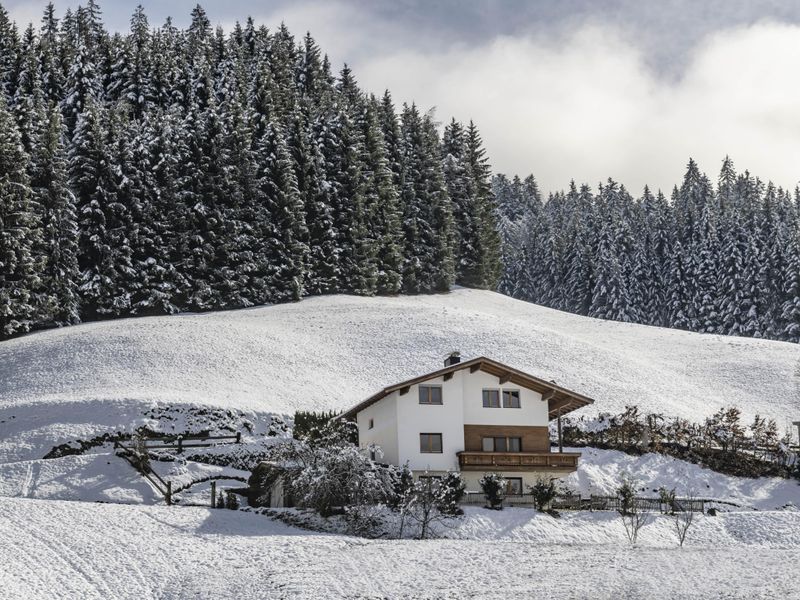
<point x="55" y="550"/>
<point x="231" y="370"/>
<point x="601" y="471"/>
<point x="330" y="352"/>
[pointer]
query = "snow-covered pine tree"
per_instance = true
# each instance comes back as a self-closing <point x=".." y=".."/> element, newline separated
<point x="790" y="310"/>
<point x="427" y="217"/>
<point x="9" y="49"/>
<point x="610" y="295"/>
<point x="285" y="252"/>
<point x="382" y="216"/>
<point x="579" y="254"/>
<point x="49" y="56"/>
<point x="58" y="294"/>
<point x="19" y="233"/>
<point x="489" y="267"/>
<point x="309" y="168"/>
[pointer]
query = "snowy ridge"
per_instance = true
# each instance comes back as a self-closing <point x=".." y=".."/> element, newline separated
<point x="330" y="352"/>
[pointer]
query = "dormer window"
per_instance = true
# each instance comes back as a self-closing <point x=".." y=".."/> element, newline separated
<point x="430" y="394"/>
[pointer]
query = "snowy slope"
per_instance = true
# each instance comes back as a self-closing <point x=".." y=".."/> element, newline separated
<point x="55" y="550"/>
<point x="600" y="472"/>
<point x="330" y="352"/>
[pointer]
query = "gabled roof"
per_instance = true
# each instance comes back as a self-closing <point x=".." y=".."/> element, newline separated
<point x="561" y="400"/>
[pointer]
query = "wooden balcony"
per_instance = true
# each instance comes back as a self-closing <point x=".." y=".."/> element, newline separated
<point x="518" y="461"/>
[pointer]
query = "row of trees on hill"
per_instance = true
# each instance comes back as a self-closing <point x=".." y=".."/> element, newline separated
<point x="167" y="169"/>
<point x="723" y="442"/>
<point x="721" y="258"/>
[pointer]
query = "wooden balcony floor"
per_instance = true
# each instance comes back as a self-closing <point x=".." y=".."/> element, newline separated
<point x="518" y="461"/>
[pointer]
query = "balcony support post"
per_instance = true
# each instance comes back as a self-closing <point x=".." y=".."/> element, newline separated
<point x="560" y="441"/>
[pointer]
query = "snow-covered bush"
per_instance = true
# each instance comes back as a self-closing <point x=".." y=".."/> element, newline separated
<point x="667" y="498"/>
<point x="493" y="486"/>
<point x="451" y="490"/>
<point x="626" y="493"/>
<point x="332" y="472"/>
<point x="543" y="492"/>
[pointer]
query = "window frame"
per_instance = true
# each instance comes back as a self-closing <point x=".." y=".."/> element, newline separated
<point x="484" y="396"/>
<point x="505" y="438"/>
<point x="509" y="392"/>
<point x="508" y="487"/>
<point x="430" y="387"/>
<point x="430" y="445"/>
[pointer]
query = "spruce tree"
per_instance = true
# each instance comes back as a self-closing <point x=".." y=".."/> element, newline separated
<point x="59" y="302"/>
<point x="285" y="252"/>
<point x="19" y="232"/>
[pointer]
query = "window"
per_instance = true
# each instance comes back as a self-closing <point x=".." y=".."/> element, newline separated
<point x="513" y="486"/>
<point x="510" y="398"/>
<point x="430" y="394"/>
<point x="371" y="423"/>
<point x="430" y="443"/>
<point x="502" y="444"/>
<point x="491" y="398"/>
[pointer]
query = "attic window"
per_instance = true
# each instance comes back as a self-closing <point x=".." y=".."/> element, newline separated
<point x="510" y="398"/>
<point x="430" y="394"/>
<point x="491" y="398"/>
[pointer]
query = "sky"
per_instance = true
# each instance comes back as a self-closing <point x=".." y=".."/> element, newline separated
<point x="568" y="89"/>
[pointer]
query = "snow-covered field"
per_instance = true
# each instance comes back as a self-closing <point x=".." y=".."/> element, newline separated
<point x="330" y="352"/>
<point x="78" y="550"/>
<point x="87" y="526"/>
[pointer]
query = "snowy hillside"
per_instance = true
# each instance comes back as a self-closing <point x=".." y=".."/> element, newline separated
<point x="330" y="352"/>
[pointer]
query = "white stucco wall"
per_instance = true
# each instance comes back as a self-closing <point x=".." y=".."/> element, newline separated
<point x="448" y="419"/>
<point x="384" y="431"/>
<point x="532" y="410"/>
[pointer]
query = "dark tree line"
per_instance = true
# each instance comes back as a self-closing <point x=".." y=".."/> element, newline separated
<point x="721" y="258"/>
<point x="165" y="170"/>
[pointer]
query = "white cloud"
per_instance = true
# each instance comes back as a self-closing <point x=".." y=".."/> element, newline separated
<point x="587" y="107"/>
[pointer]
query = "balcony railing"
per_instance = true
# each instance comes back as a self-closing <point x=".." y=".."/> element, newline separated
<point x="517" y="461"/>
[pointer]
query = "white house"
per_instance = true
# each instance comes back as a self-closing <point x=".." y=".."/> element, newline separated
<point x="475" y="416"/>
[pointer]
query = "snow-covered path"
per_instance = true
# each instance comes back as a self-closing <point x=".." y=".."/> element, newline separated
<point x="55" y="550"/>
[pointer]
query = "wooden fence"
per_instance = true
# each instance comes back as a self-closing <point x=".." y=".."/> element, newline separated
<point x="130" y="455"/>
<point x="599" y="503"/>
<point x="170" y="442"/>
<point x="178" y="442"/>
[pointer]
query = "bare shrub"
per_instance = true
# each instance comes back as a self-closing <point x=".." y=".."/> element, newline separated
<point x="683" y="518"/>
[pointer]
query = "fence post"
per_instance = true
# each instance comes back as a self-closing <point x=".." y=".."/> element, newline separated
<point x="180" y="444"/>
<point x="238" y="437"/>
<point x="213" y="494"/>
<point x="169" y="493"/>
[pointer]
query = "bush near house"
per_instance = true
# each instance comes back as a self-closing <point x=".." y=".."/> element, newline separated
<point x="543" y="492"/>
<point x="493" y="486"/>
